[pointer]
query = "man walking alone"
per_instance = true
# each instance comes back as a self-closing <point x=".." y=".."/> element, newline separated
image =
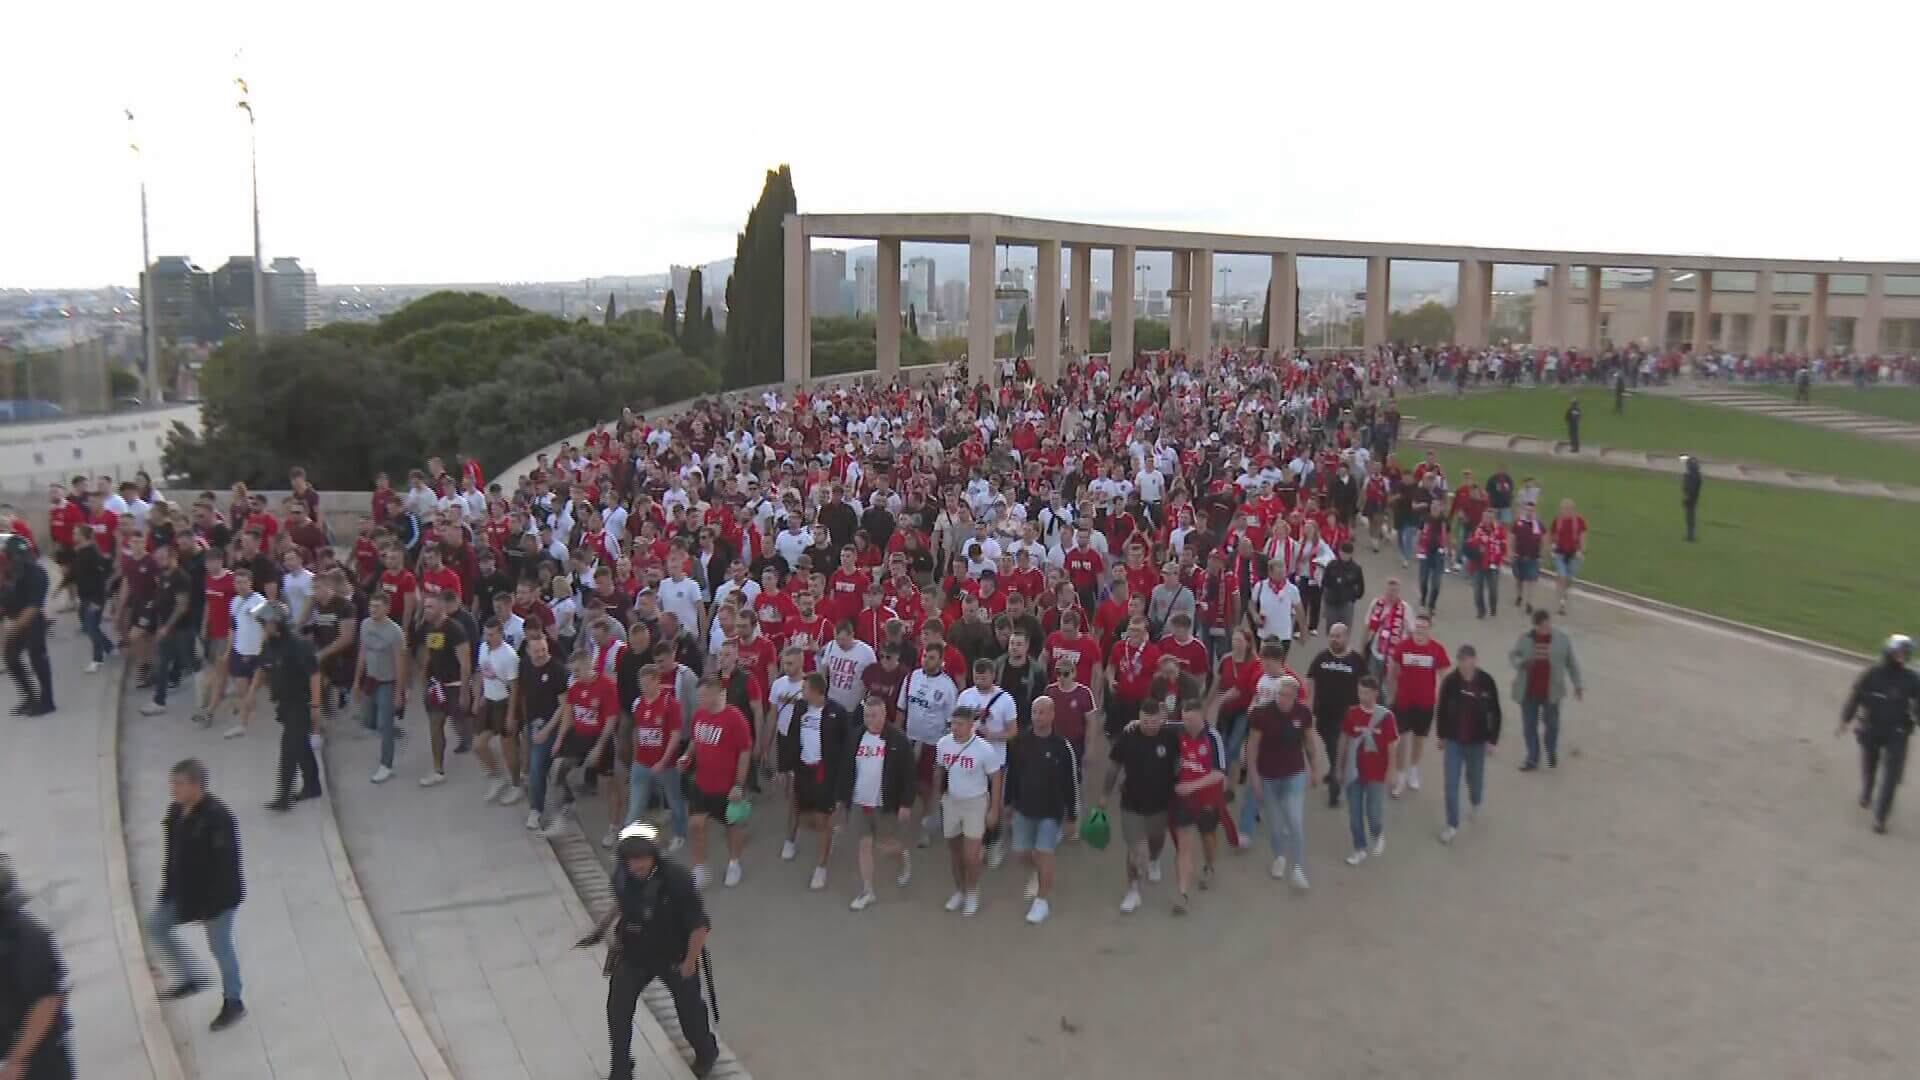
<point x="1887" y="701"/>
<point x="1543" y="664"/>
<point x="200" y="882"/>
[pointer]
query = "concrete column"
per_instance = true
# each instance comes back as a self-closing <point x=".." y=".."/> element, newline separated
<point x="1760" y="327"/>
<point x="1469" y="323"/>
<point x="1379" y="282"/>
<point x="1702" y="312"/>
<point x="980" y="307"/>
<point x="1866" y="331"/>
<point x="1046" y="311"/>
<point x="1080" y="303"/>
<point x="1283" y="304"/>
<point x="1594" y="274"/>
<point x="1559" y="300"/>
<point x="886" y="309"/>
<point x="1657" y="308"/>
<point x="1177" y="296"/>
<point x="797" y="364"/>
<point x="1817" y="322"/>
<point x="1790" y="341"/>
<point x="1120" y="354"/>
<point x="1200" y="306"/>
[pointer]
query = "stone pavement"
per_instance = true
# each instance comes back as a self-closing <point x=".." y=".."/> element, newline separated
<point x="51" y="824"/>
<point x="315" y="1004"/>
<point x="1733" y="397"/>
<point x="480" y="918"/>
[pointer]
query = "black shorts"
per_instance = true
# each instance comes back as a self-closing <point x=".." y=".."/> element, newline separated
<point x="786" y="754"/>
<point x="577" y="746"/>
<point x="492" y="718"/>
<point x="1119" y="715"/>
<point x="812" y="790"/>
<point x="1414" y="719"/>
<point x="1203" y="818"/>
<point x="713" y="806"/>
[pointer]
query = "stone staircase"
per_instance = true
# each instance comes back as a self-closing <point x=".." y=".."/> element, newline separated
<point x="1878" y="427"/>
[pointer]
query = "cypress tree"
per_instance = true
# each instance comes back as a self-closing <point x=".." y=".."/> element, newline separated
<point x="670" y="317"/>
<point x="1022" y="333"/>
<point x="610" y="309"/>
<point x="913" y="321"/>
<point x="756" y="311"/>
<point x="693" y="325"/>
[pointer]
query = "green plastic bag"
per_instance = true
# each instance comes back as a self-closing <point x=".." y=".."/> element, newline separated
<point x="738" y="811"/>
<point x="1096" y="830"/>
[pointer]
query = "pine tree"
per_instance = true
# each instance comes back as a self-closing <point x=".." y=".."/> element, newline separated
<point x="693" y="325"/>
<point x="756" y="305"/>
<point x="1022" y="333"/>
<point x="611" y="312"/>
<point x="670" y="317"/>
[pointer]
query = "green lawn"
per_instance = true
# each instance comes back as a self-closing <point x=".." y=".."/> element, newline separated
<point x="1670" y="425"/>
<point x="1892" y="402"/>
<point x="1833" y="568"/>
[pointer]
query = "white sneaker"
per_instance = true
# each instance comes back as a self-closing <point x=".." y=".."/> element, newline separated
<point x="699" y="877"/>
<point x="1359" y="856"/>
<point x="1038" y="913"/>
<point x="1447" y="834"/>
<point x="433" y="779"/>
<point x="972" y="906"/>
<point x="233" y="732"/>
<point x="533" y="820"/>
<point x="495" y="789"/>
<point x="1279" y="868"/>
<point x="1246" y="841"/>
<point x="676" y="844"/>
<point x="954" y="901"/>
<point x="1379" y="846"/>
<point x="93" y="666"/>
<point x="1399" y="785"/>
<point x="997" y="854"/>
<point x="819" y="879"/>
<point x="513" y="795"/>
<point x="906" y="871"/>
<point x="788" y="850"/>
<point x="609" y="838"/>
<point x="733" y="874"/>
<point x="1033" y="885"/>
<point x="1413" y="778"/>
<point x="1473" y="812"/>
<point x="382" y="774"/>
<point x="1300" y="878"/>
<point x="153" y="709"/>
<point x="1130" y="903"/>
<point x="1153" y="870"/>
<point x="863" y="901"/>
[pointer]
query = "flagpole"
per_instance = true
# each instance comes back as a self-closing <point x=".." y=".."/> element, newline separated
<point x="253" y="164"/>
<point x="151" y="387"/>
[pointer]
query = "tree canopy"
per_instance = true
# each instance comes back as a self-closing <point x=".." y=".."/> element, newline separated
<point x="756" y="294"/>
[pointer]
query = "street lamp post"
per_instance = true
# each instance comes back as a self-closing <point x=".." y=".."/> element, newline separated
<point x="253" y="165"/>
<point x="150" y="383"/>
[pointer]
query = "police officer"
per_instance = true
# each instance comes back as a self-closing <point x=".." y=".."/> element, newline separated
<point x="33" y="993"/>
<point x="23" y="625"/>
<point x="1887" y="701"/>
<point x="659" y="931"/>
<point x="294" y="674"/>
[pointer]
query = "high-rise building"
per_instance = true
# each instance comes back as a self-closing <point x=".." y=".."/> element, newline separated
<point x="866" y="290"/>
<point x="953" y="300"/>
<point x="293" y="298"/>
<point x="922" y="290"/>
<point x="233" y="296"/>
<point x="182" y="298"/>
<point x="827" y="282"/>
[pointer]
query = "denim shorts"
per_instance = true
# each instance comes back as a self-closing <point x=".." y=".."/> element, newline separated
<point x="1566" y="565"/>
<point x="1526" y="569"/>
<point x="1035" y="834"/>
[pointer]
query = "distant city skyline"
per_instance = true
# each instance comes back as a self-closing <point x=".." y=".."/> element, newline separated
<point x="397" y="146"/>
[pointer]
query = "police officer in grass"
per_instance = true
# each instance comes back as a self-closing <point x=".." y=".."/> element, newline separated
<point x="659" y="928"/>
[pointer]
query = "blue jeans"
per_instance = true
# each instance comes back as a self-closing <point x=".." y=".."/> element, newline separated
<point x="641" y="782"/>
<point x="1432" y="567"/>
<point x="90" y="625"/>
<point x="1472" y="758"/>
<point x="171" y="654"/>
<point x="539" y="763"/>
<point x="1407" y="535"/>
<point x="1366" y="811"/>
<point x="1532" y="715"/>
<point x="1486" y="591"/>
<point x="160" y="926"/>
<point x="376" y="714"/>
<point x="1285" y="802"/>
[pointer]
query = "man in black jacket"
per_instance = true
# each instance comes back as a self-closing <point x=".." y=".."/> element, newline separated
<point x="1886" y="698"/>
<point x="877" y="779"/>
<point x="200" y="882"/>
<point x="23" y="624"/>
<point x="1467" y="723"/>
<point x="33" y="993"/>
<point x="1041" y="789"/>
<point x="1342" y="585"/>
<point x="815" y="742"/>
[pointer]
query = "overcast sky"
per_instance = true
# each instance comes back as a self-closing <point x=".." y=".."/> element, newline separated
<point x="411" y="142"/>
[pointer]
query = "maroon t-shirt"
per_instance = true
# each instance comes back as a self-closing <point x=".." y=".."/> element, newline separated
<point x="1283" y="739"/>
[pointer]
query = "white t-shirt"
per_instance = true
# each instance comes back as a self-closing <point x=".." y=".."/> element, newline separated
<point x="843" y="668"/>
<point x="927" y="703"/>
<point x="247" y="636"/>
<point x="994" y="711"/>
<point x="297" y="590"/>
<point x="810" y="735"/>
<point x="749" y="591"/>
<point x="784" y="692"/>
<point x="970" y="765"/>
<point x="1273" y="609"/>
<point x="682" y="598"/>
<point x="869" y="764"/>
<point x="498" y="668"/>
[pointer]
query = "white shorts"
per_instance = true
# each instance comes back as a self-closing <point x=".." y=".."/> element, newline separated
<point x="963" y="817"/>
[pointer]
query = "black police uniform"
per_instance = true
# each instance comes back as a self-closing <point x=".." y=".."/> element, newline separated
<point x="30" y="971"/>
<point x="293" y="665"/>
<point x="1887" y="697"/>
<point x="26" y="587"/>
<point x="658" y="915"/>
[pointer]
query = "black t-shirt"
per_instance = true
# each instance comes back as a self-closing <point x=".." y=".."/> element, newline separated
<point x="443" y="645"/>
<point x="1149" y="763"/>
<point x="293" y="663"/>
<point x="1336" y="682"/>
<point x="195" y="567"/>
<point x="25" y="588"/>
<point x="1499" y="491"/>
<point x="488" y="586"/>
<point x="541" y="687"/>
<point x="30" y="971"/>
<point x="89" y="572"/>
<point x="169" y="589"/>
<point x="323" y="625"/>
